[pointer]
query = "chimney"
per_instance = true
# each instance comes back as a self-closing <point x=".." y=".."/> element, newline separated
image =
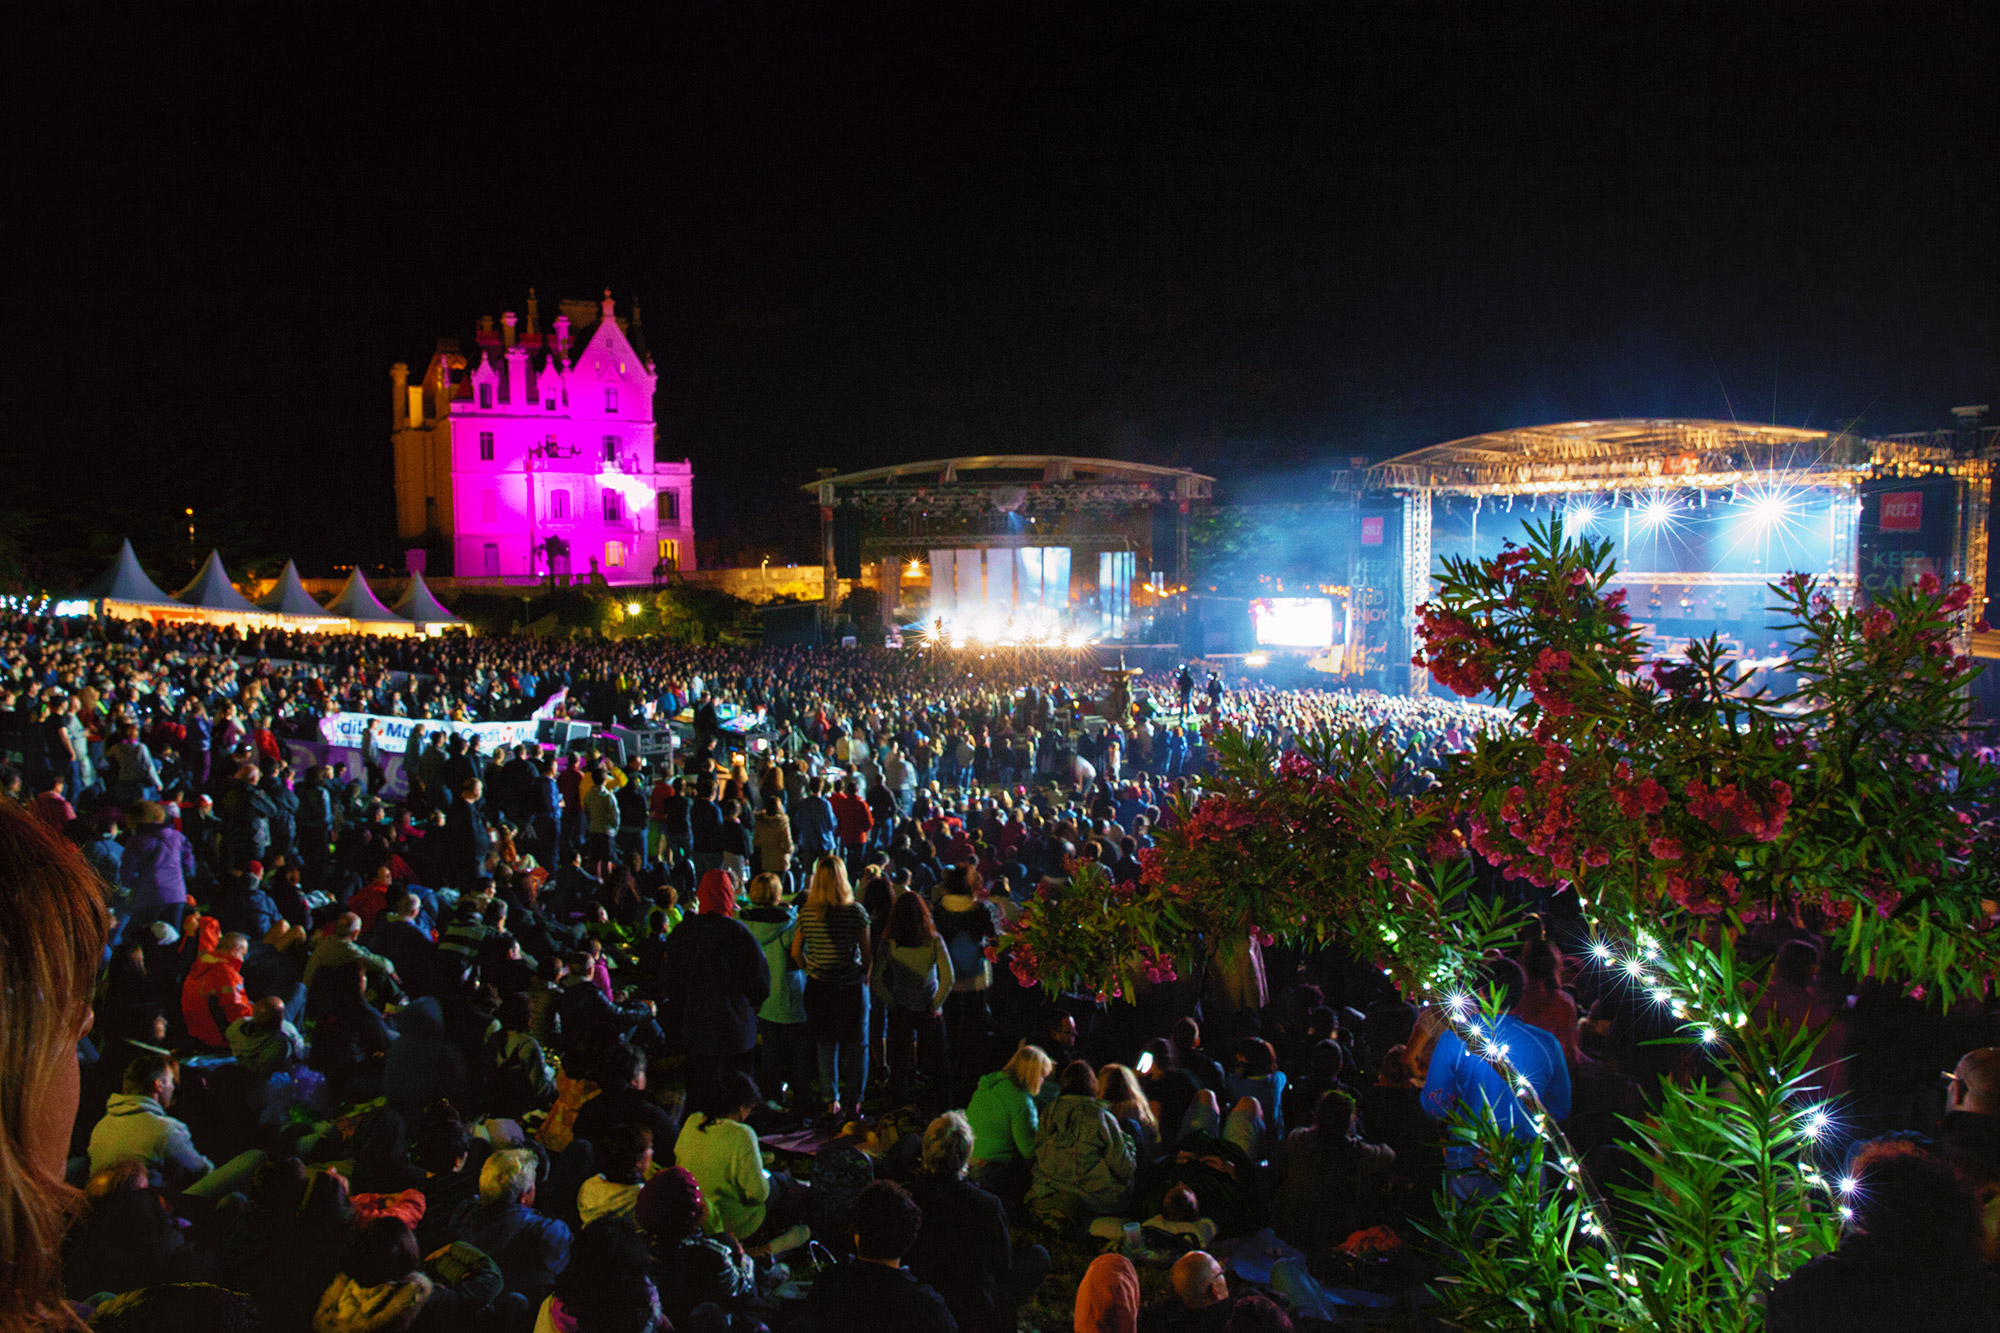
<point x="507" y="323"/>
<point x="534" y="313"/>
<point x="562" y="333"/>
<point x="608" y="307"/>
<point x="399" y="394"/>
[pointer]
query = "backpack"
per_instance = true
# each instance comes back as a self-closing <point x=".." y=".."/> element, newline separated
<point x="968" y="954"/>
<point x="909" y="989"/>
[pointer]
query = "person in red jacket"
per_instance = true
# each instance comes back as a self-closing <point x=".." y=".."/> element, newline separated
<point x="852" y="816"/>
<point x="372" y="899"/>
<point x="213" y="997"/>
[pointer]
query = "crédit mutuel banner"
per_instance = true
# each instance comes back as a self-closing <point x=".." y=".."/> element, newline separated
<point x="392" y="734"/>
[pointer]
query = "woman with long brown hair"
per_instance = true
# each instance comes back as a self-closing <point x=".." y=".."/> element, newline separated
<point x="53" y="926"/>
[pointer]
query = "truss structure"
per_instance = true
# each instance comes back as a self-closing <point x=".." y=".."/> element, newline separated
<point x="1635" y="455"/>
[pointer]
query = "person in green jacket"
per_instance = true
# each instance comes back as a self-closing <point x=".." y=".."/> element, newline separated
<point x="1004" y="1121"/>
<point x="785" y="1047"/>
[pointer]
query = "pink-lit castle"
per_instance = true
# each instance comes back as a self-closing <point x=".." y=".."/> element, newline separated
<point x="535" y="456"/>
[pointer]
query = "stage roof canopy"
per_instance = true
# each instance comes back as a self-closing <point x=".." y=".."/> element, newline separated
<point x="1638" y="453"/>
<point x="1017" y="467"/>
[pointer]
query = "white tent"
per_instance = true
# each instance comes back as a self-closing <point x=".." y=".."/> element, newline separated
<point x="421" y="605"/>
<point x="357" y="602"/>
<point x="125" y="582"/>
<point x="288" y="597"/>
<point x="211" y="589"/>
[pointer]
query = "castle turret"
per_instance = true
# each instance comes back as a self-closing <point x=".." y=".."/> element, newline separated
<point x="399" y="395"/>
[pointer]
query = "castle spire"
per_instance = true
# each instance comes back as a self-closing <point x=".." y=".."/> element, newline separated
<point x="534" y="313"/>
<point x="607" y="307"/>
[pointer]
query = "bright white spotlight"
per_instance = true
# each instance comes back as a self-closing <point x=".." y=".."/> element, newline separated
<point x="1656" y="510"/>
<point x="1770" y="509"/>
<point x="1580" y="518"/>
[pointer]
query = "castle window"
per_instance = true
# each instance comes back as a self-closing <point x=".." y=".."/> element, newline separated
<point x="611" y="448"/>
<point x="614" y="553"/>
<point x="548" y="405"/>
<point x="485" y="397"/>
<point x="614" y="507"/>
<point x="558" y="504"/>
<point x="670" y="554"/>
<point x="611" y="400"/>
<point x="489" y="507"/>
<point x="670" y="506"/>
<point x="485" y="446"/>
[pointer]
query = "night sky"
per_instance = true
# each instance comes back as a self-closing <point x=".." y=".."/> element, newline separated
<point x="1254" y="239"/>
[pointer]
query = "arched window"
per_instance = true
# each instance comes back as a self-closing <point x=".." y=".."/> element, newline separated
<point x="558" y="504"/>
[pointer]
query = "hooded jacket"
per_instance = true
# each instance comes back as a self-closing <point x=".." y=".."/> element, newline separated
<point x="1004" y="1120"/>
<point x="773" y="928"/>
<point x="389" y="1308"/>
<point x="716" y="968"/>
<point x="155" y="866"/>
<point x="135" y="1129"/>
<point x="1082" y="1153"/>
<point x="214" y="977"/>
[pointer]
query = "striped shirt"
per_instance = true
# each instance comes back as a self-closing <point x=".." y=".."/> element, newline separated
<point x="833" y="943"/>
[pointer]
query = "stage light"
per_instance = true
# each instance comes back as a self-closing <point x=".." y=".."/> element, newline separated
<point x="1257" y="660"/>
<point x="1657" y="510"/>
<point x="1769" y="508"/>
<point x="1578" y="519"/>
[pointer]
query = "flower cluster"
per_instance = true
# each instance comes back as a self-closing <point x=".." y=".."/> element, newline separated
<point x="1730" y="811"/>
<point x="1459" y="656"/>
<point x="1546" y="680"/>
<point x="1156" y="967"/>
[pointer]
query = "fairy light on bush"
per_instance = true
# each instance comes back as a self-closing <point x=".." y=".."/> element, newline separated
<point x="1813" y="1121"/>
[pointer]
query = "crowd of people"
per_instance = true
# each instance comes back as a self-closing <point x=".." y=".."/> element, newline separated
<point x="717" y="1041"/>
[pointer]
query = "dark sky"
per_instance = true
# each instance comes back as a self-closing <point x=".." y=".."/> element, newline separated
<point x="1257" y="239"/>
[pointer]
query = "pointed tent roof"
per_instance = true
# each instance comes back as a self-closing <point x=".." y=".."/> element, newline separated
<point x="420" y="604"/>
<point x="288" y="596"/>
<point x="212" y="591"/>
<point x="124" y="581"/>
<point x="357" y="601"/>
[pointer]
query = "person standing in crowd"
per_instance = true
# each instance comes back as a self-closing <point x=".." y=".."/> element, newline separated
<point x="783" y="1035"/>
<point x="705" y="827"/>
<point x="913" y="978"/>
<point x="832" y="946"/>
<point x="465" y="836"/>
<point x="717" y="977"/>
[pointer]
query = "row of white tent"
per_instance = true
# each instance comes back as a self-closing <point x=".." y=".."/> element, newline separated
<point x="125" y="589"/>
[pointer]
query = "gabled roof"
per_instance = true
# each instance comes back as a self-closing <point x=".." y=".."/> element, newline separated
<point x="212" y="591"/>
<point x="124" y="581"/>
<point x="357" y="601"/>
<point x="420" y="604"/>
<point x="604" y="346"/>
<point x="288" y="596"/>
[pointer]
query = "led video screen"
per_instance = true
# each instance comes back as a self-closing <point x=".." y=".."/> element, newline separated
<point x="1292" y="622"/>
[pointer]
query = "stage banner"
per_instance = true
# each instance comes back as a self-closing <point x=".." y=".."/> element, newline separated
<point x="393" y="734"/>
<point x="302" y="755"/>
<point x="944" y="584"/>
